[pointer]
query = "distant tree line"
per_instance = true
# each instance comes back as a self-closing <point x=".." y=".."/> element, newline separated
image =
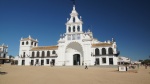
<point x="146" y="61"/>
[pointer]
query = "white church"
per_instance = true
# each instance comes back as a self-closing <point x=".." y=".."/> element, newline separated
<point x="74" y="48"/>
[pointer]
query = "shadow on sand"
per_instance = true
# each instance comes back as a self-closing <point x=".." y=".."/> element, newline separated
<point x="3" y="73"/>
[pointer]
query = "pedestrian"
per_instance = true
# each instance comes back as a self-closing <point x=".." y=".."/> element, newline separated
<point x="82" y="63"/>
<point x="145" y="66"/>
<point x="138" y="65"/>
<point x="95" y="63"/>
<point x="86" y="66"/>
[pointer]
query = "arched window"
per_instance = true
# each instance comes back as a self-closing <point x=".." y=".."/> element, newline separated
<point x="96" y="51"/>
<point x="38" y="53"/>
<point x="103" y="51"/>
<point x="43" y="54"/>
<point x="32" y="54"/>
<point x="74" y="29"/>
<point x="74" y="19"/>
<point x="53" y="52"/>
<point x="110" y="51"/>
<point x="27" y="43"/>
<point x="48" y="53"/>
<point x="31" y="43"/>
<point x="34" y="44"/>
<point x="78" y="28"/>
<point x="22" y="43"/>
<point x="69" y="29"/>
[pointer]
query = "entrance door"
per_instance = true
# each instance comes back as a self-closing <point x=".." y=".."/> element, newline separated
<point x="53" y="62"/>
<point x="97" y="61"/>
<point x="37" y="62"/>
<point x="76" y="59"/>
<point x="23" y="62"/>
<point x="32" y="62"/>
<point x="42" y="62"/>
<point x="3" y="61"/>
<point x="111" y="61"/>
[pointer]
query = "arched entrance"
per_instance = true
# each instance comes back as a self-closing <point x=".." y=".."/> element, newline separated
<point x="73" y="54"/>
<point x="76" y="59"/>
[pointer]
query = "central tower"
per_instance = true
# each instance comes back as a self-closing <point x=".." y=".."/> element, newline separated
<point x="74" y="24"/>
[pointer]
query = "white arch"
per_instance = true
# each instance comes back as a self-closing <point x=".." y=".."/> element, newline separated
<point x="71" y="49"/>
<point x="75" y="46"/>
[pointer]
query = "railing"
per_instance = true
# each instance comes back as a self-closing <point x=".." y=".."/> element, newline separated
<point x="104" y="55"/>
<point x="52" y="55"/>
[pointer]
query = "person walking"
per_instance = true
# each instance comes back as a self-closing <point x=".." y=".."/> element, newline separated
<point x="145" y="66"/>
<point x="86" y="67"/>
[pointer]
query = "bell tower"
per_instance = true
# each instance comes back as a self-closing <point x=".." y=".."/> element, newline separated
<point x="74" y="24"/>
<point x="26" y="44"/>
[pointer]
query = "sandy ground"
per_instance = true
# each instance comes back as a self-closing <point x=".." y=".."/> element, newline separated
<point x="71" y="75"/>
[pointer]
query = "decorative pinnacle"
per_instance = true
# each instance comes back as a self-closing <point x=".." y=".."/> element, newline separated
<point x="74" y="7"/>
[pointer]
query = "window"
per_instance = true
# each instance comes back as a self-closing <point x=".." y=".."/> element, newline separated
<point x="32" y="54"/>
<point x="73" y="28"/>
<point x="32" y="62"/>
<point x="110" y="50"/>
<point x="43" y="54"/>
<point x="69" y="37"/>
<point x="97" y="61"/>
<point x="47" y="61"/>
<point x="103" y="60"/>
<point x="53" y="52"/>
<point x="48" y="53"/>
<point x="34" y="44"/>
<point x="74" y="19"/>
<point x="78" y="28"/>
<point x="37" y="61"/>
<point x="31" y="43"/>
<point x="69" y="29"/>
<point x="96" y="51"/>
<point x="111" y="61"/>
<point x="38" y="53"/>
<point x="22" y="43"/>
<point x="5" y="50"/>
<point x="27" y="43"/>
<point x="103" y="51"/>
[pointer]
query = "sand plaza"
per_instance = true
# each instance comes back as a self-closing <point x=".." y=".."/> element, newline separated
<point x="72" y="75"/>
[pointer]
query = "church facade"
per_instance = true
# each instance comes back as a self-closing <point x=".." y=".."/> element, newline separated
<point x="74" y="47"/>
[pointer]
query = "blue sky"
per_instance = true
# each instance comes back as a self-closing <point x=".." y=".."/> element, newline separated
<point x="127" y="21"/>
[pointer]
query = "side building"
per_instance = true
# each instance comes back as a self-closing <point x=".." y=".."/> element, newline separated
<point x="3" y="54"/>
<point x="74" y="47"/>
